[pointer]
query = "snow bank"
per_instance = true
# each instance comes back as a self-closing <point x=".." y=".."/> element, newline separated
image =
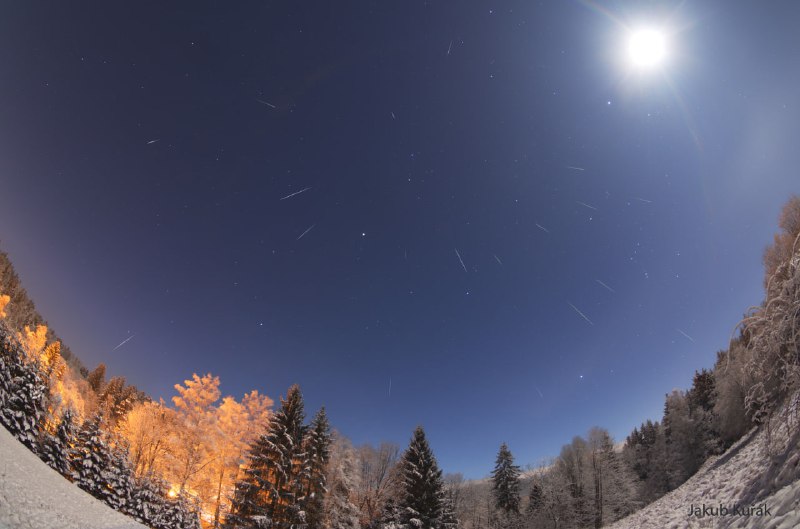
<point x="34" y="496"/>
<point x="746" y="475"/>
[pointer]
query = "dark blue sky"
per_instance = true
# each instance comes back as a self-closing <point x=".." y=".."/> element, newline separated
<point x="411" y="152"/>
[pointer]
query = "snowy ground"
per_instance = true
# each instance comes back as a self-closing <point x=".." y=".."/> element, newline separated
<point x="746" y="474"/>
<point x="33" y="496"/>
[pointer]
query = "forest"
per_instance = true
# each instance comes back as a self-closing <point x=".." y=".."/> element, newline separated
<point x="213" y="461"/>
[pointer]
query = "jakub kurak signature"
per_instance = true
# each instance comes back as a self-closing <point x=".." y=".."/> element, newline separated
<point x="703" y="510"/>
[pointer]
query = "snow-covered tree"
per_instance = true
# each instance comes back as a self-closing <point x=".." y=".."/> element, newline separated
<point x="535" y="500"/>
<point x="731" y="382"/>
<point x="19" y="309"/>
<point x="317" y="454"/>
<point x="701" y="399"/>
<point x="92" y="458"/>
<point x="392" y="515"/>
<point x="236" y="426"/>
<point x="422" y="488"/>
<point x="52" y="367"/>
<point x="57" y="449"/>
<point x="772" y="331"/>
<point x="146" y="428"/>
<point x="685" y="447"/>
<point x="116" y="399"/>
<point x="97" y="378"/>
<point x="22" y="391"/>
<point x="558" y="505"/>
<point x="505" y="483"/>
<point x="644" y="453"/>
<point x="194" y="404"/>
<point x="148" y="501"/>
<point x="342" y="475"/>
<point x="572" y="464"/>
<point x="180" y="513"/>
<point x="103" y="470"/>
<point x="612" y="483"/>
<point x="33" y="341"/>
<point x="269" y="491"/>
<point x="449" y="519"/>
<point x="154" y="504"/>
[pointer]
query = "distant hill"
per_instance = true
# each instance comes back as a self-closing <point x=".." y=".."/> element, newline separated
<point x="747" y="474"/>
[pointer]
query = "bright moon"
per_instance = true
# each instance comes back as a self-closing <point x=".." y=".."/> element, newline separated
<point x="647" y="48"/>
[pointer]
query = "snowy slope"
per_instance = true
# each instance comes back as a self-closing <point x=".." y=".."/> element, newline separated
<point x="746" y="475"/>
<point x="34" y="496"/>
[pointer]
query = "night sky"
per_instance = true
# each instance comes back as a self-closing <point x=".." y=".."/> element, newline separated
<point x="498" y="229"/>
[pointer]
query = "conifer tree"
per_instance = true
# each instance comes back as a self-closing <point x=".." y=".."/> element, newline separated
<point x="421" y="503"/>
<point x="505" y="483"/>
<point x="151" y="505"/>
<point x="92" y="459"/>
<point x="391" y="515"/>
<point x="22" y="391"/>
<point x="57" y="449"/>
<point x="118" y="478"/>
<point x="148" y="501"/>
<point x="449" y="520"/>
<point x="97" y="378"/>
<point x="269" y="492"/>
<point x="179" y="513"/>
<point x="535" y="500"/>
<point x="317" y="455"/>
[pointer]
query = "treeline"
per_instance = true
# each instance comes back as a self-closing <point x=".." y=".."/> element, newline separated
<point x="88" y="452"/>
<point x="204" y="461"/>
<point x="218" y="462"/>
<point x="169" y="467"/>
<point x="211" y="463"/>
<point x="590" y="484"/>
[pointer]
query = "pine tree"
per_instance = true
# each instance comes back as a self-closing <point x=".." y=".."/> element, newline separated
<point x="391" y="515"/>
<point x="97" y="378"/>
<point x="421" y="504"/>
<point x="22" y="391"/>
<point x="57" y="449"/>
<point x="702" y="398"/>
<point x="92" y="459"/>
<point x="148" y="502"/>
<point x="269" y="492"/>
<point x="118" y="478"/>
<point x="449" y="520"/>
<point x="179" y="513"/>
<point x="151" y="505"/>
<point x="535" y="500"/>
<point x="117" y="399"/>
<point x="317" y="455"/>
<point x="505" y="483"/>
